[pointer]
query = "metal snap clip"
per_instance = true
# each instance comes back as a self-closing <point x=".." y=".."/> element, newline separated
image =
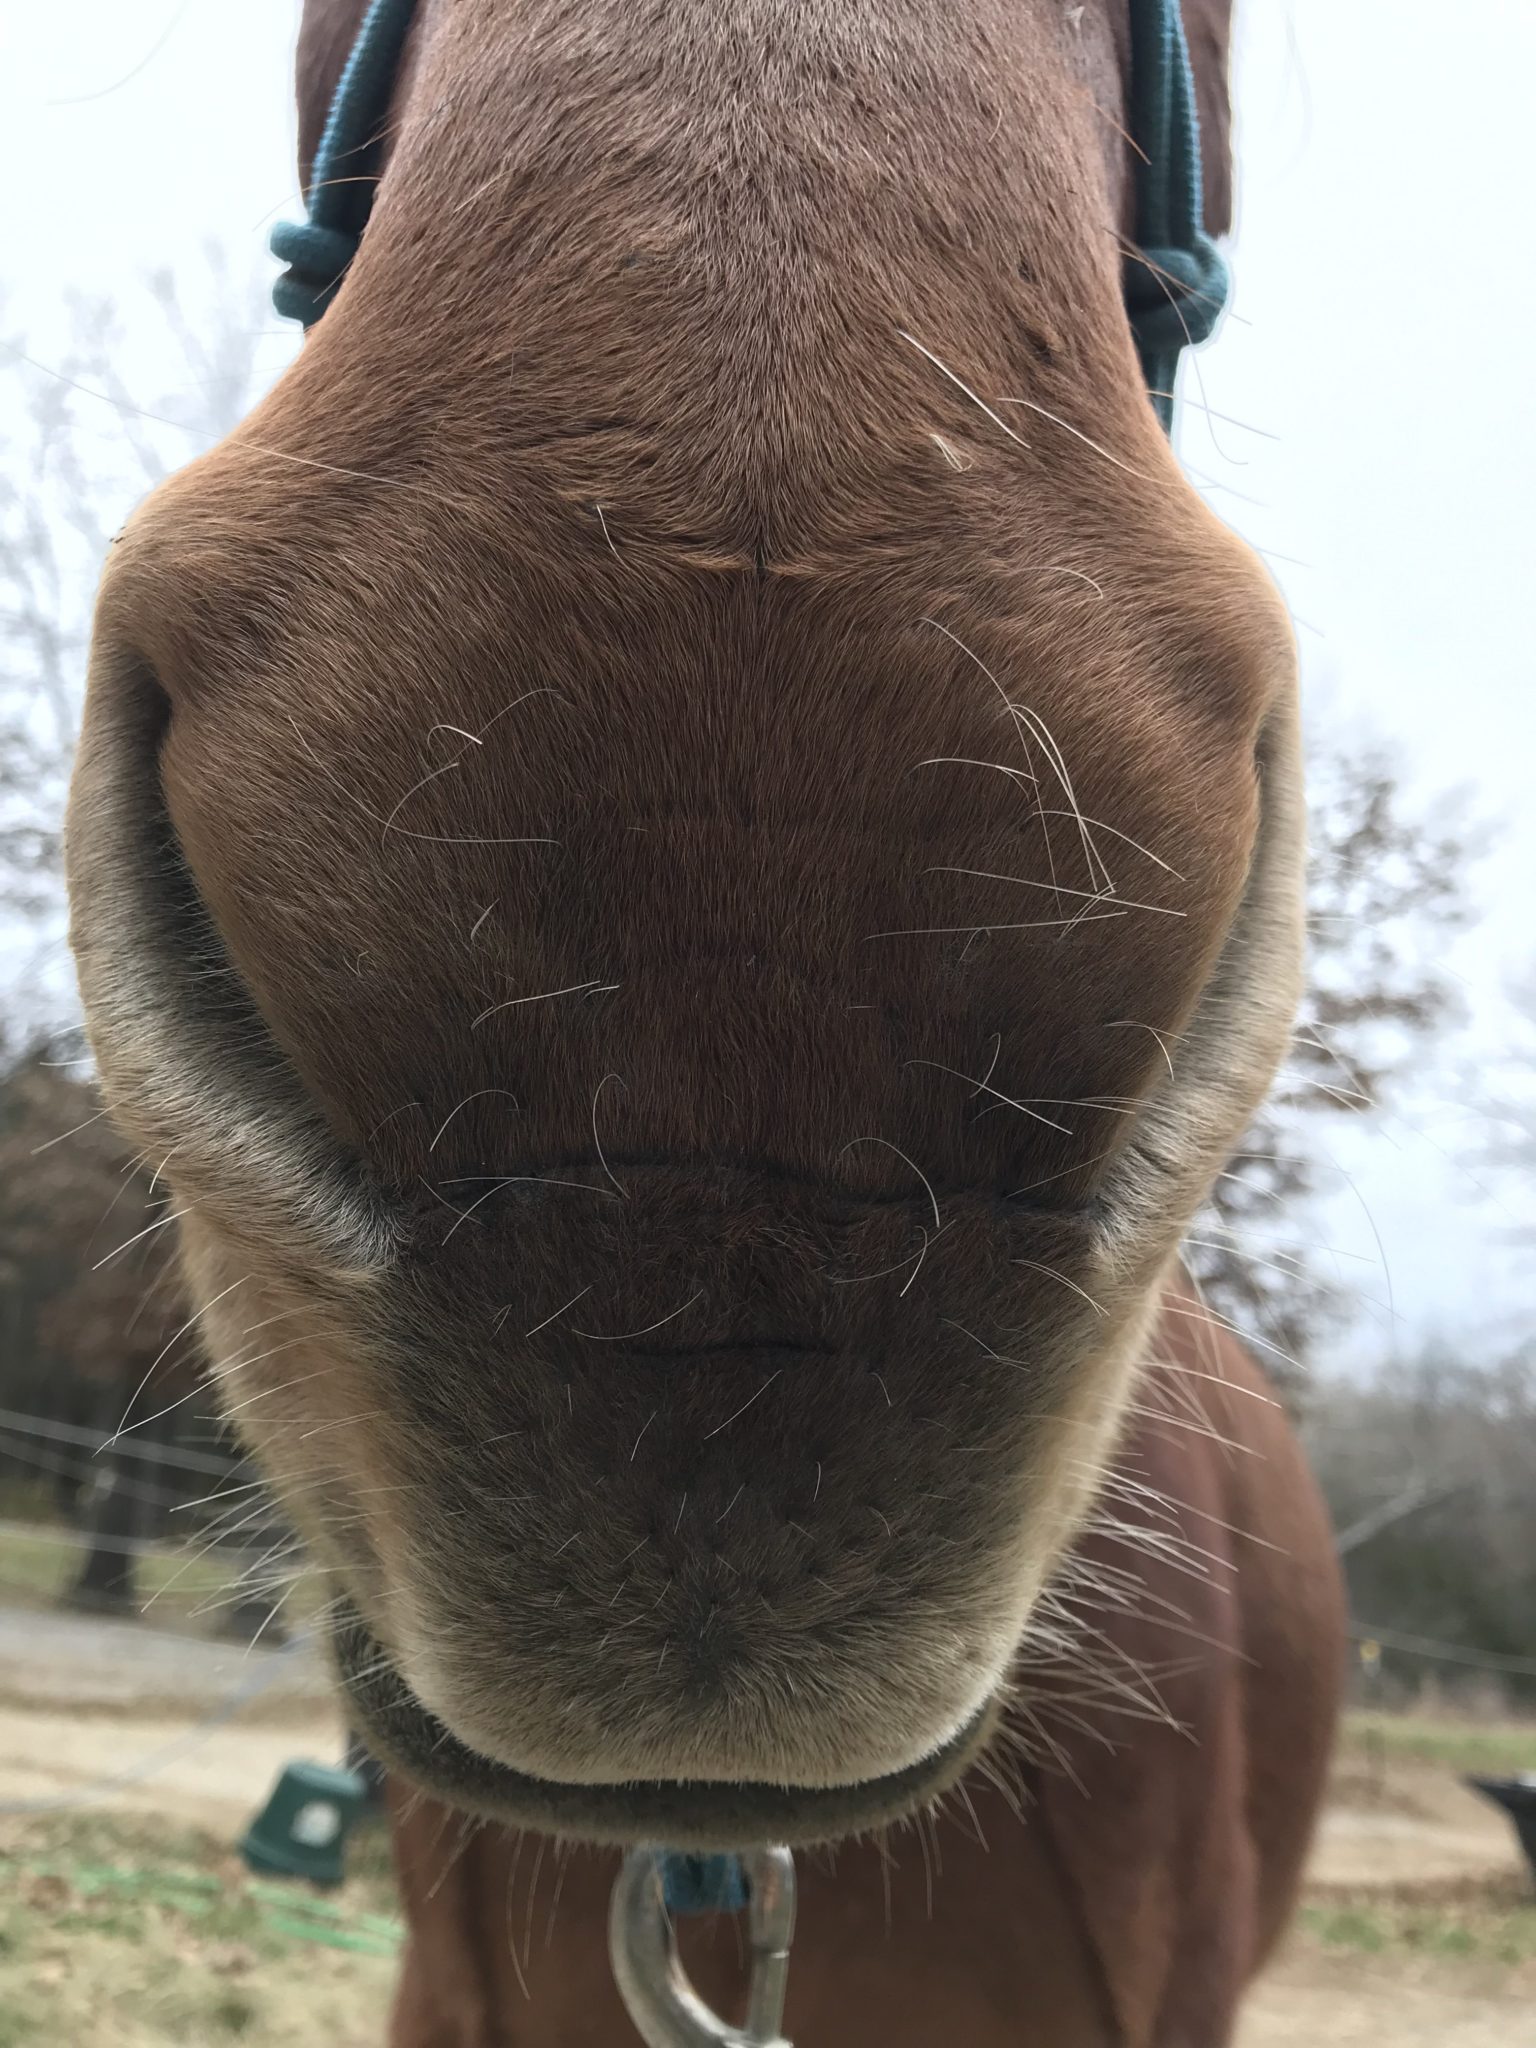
<point x="666" y="2010"/>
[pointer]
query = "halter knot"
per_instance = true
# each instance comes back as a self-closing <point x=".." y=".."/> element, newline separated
<point x="1174" y="296"/>
<point x="317" y="258"/>
<point x="318" y="251"/>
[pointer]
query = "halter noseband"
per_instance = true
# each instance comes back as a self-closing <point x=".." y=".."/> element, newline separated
<point x="1175" y="282"/>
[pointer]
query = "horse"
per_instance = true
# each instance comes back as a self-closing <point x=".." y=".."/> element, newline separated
<point x="687" y="853"/>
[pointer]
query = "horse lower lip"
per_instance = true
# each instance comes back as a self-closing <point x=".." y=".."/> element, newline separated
<point x="688" y="1814"/>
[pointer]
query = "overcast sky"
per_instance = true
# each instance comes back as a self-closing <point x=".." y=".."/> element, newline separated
<point x="1378" y="353"/>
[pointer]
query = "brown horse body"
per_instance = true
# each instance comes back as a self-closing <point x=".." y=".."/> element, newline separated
<point x="1114" y="1882"/>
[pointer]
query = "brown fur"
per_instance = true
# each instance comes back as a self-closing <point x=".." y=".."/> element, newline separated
<point x="687" y="848"/>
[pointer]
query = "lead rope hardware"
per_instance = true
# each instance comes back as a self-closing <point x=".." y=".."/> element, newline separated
<point x="642" y="1947"/>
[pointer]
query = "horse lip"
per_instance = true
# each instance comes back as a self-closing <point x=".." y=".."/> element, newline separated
<point x="700" y="1814"/>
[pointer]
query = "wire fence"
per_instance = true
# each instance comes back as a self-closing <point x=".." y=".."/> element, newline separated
<point x="138" y="1501"/>
<point x="60" y="1465"/>
<point x="1432" y="1651"/>
<point x="120" y="1444"/>
<point x="248" y="1689"/>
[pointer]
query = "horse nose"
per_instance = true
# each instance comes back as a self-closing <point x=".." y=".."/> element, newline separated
<point x="711" y="1539"/>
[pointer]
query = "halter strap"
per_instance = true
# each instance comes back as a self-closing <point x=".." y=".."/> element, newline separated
<point x="319" y="250"/>
<point x="1175" y="284"/>
<point x="701" y="1884"/>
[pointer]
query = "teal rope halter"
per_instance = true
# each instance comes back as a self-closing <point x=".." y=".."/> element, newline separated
<point x="318" y="251"/>
<point x="1175" y="285"/>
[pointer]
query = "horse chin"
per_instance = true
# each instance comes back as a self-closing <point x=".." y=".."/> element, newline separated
<point x="695" y="1814"/>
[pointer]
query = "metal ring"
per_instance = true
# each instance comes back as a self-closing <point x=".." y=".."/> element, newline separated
<point x="666" y="2010"/>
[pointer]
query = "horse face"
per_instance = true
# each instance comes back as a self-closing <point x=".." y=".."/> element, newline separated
<point x="690" y="947"/>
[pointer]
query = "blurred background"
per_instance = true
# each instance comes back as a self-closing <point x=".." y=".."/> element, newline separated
<point x="1363" y="418"/>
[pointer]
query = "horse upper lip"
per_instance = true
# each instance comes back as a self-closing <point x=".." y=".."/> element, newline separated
<point x="698" y="1814"/>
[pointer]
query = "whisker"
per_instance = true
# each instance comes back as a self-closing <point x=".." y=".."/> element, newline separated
<point x="1132" y="1024"/>
<point x="597" y="1141"/>
<point x="576" y="988"/>
<point x="1025" y="882"/>
<point x="1051" y="1273"/>
<point x="626" y="1336"/>
<point x="961" y="385"/>
<point x="986" y="1088"/>
<point x="1076" y="432"/>
<point x="468" y="1099"/>
<point x="767" y="1383"/>
<point x="559" y="1311"/>
<point x="938" y="1222"/>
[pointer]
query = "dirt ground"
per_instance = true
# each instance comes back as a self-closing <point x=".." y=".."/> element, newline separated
<point x="1417" y="1927"/>
<point x="86" y="1703"/>
<point x="1325" y="2001"/>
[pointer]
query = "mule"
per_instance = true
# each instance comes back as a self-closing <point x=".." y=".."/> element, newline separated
<point x="688" y="846"/>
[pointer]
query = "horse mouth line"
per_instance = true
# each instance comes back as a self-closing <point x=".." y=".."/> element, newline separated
<point x="701" y="1814"/>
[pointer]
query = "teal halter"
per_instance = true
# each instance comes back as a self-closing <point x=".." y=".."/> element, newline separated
<point x="319" y="251"/>
<point x="1175" y="282"/>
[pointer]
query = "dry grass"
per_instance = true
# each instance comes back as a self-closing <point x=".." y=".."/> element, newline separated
<point x="1492" y="1747"/>
<point x="1488" y="1919"/>
<point x="40" y="1563"/>
<point x="181" y="1586"/>
<point x="127" y="1932"/>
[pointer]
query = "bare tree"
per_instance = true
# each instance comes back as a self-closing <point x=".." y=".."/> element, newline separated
<point x="1456" y="1574"/>
<point x="1507" y="1089"/>
<point x="90" y="1303"/>
<point x="78" y="450"/>
<point x="1384" y="895"/>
